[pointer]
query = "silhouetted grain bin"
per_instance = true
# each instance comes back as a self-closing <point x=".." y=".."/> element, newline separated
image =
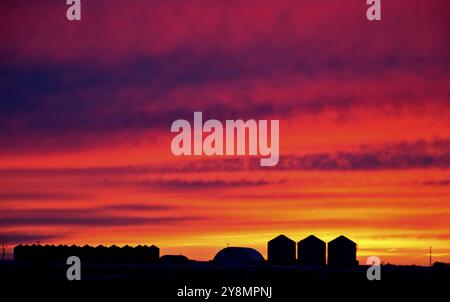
<point x="100" y="254"/>
<point x="238" y="256"/>
<point x="311" y="251"/>
<point x="281" y="250"/>
<point x="20" y="253"/>
<point x="150" y="254"/>
<point x="342" y="252"/>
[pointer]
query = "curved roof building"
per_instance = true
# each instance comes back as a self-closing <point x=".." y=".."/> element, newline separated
<point x="238" y="256"/>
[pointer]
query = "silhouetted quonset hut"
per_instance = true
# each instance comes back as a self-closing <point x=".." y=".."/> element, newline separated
<point x="311" y="251"/>
<point x="342" y="252"/>
<point x="238" y="256"/>
<point x="281" y="250"/>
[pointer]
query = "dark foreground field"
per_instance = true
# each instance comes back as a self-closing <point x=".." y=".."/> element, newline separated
<point x="153" y="282"/>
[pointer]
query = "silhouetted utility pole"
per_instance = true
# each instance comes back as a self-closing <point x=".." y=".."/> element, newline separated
<point x="3" y="252"/>
<point x="430" y="255"/>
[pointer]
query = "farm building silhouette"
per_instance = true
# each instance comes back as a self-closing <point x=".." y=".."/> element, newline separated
<point x="99" y="254"/>
<point x="342" y="252"/>
<point x="174" y="260"/>
<point x="281" y="250"/>
<point x="238" y="256"/>
<point x="311" y="251"/>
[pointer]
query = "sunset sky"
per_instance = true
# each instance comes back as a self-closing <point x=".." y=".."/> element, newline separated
<point x="364" y="110"/>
